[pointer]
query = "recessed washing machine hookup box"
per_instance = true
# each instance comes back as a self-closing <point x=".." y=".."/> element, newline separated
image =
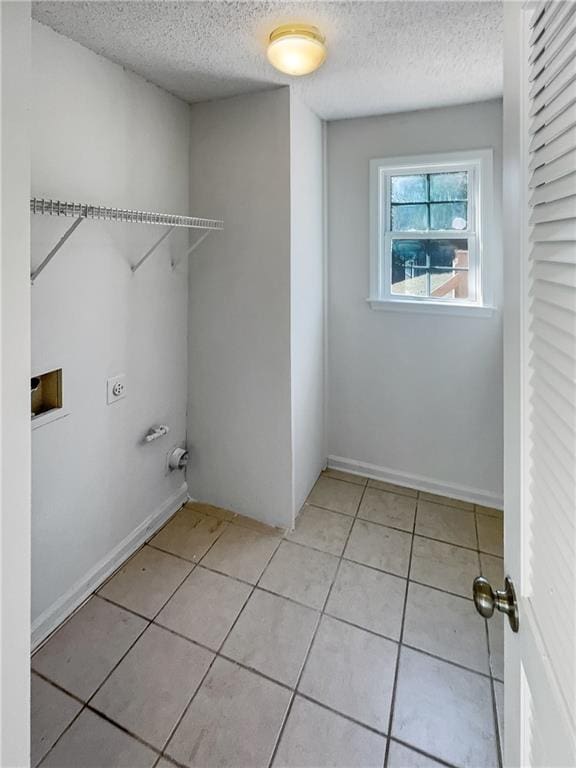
<point x="46" y="392"/>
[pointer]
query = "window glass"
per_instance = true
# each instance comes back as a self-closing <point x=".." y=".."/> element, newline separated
<point x="429" y="201"/>
<point x="431" y="268"/>
<point x="448" y="215"/>
<point x="409" y="217"/>
<point x="409" y="189"/>
<point x="447" y="187"/>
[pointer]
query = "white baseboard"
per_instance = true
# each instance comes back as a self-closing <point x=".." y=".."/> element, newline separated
<point x="55" y="614"/>
<point x="420" y="483"/>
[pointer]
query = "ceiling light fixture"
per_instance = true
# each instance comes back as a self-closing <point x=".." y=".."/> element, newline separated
<point x="296" y="49"/>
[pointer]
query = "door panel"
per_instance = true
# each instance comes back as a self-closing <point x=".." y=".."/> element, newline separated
<point x="540" y="381"/>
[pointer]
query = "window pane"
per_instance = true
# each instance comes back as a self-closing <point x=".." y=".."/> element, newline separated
<point x="445" y="187"/>
<point x="432" y="268"/>
<point x="448" y="215"/>
<point x="409" y="217"/>
<point x="409" y="189"/>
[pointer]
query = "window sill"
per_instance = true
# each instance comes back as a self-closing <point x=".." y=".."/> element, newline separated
<point x="431" y="308"/>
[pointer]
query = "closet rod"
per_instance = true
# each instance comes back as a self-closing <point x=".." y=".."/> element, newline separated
<point x="81" y="211"/>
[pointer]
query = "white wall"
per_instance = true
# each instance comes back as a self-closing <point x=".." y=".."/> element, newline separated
<point x="414" y="398"/>
<point x="103" y="135"/>
<point x="239" y="414"/>
<point x="307" y="298"/>
<point x="14" y="398"/>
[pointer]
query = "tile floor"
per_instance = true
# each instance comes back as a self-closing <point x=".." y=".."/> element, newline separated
<point x="349" y="642"/>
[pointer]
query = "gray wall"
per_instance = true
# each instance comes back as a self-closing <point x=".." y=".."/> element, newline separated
<point x="416" y="397"/>
<point x="14" y="382"/>
<point x="239" y="409"/>
<point x="307" y="298"/>
<point x="103" y="135"/>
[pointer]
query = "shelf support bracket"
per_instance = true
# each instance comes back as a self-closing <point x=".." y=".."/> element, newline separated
<point x="151" y="250"/>
<point x="42" y="266"/>
<point x="192" y="248"/>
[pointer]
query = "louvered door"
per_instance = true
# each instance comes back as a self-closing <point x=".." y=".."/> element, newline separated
<point x="541" y="525"/>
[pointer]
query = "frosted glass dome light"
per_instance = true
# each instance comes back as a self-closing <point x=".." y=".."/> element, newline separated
<point x="296" y="49"/>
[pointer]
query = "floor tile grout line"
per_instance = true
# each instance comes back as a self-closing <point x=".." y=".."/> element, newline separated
<point x="353" y="517"/>
<point x="305" y="696"/>
<point x="349" y="517"/>
<point x="423" y="752"/>
<point x="311" y="505"/>
<point x="87" y="701"/>
<point x="315" y="633"/>
<point x="492" y="689"/>
<point x="349" y="718"/>
<point x="211" y="569"/>
<point x="149" y="623"/>
<point x="147" y="543"/>
<point x="109" y="578"/>
<point x="400" y="639"/>
<point x="221" y="646"/>
<point x="194" y="564"/>
<point x="66" y="729"/>
<point x="301" y="605"/>
<point x="485" y="675"/>
<point x="496" y="726"/>
<point x="329" y="509"/>
<point x="250" y="669"/>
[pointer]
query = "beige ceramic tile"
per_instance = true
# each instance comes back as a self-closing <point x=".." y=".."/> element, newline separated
<point x="381" y="485"/>
<point x="209" y="509"/>
<point x="351" y="671"/>
<point x="85" y="650"/>
<point x="189" y="534"/>
<point x="146" y="581"/>
<point x="455" y="526"/>
<point x="300" y="573"/>
<point x="164" y="763"/>
<point x="496" y="640"/>
<point x="241" y="553"/>
<point x="92" y="742"/>
<point x="314" y="737"/>
<point x="272" y="636"/>
<point x="499" y="694"/>
<point x="336" y="495"/>
<point x="380" y="547"/>
<point x="445" y="711"/>
<point x="447" y="626"/>
<point x="400" y="756"/>
<point x="444" y="566"/>
<point x="205" y="607"/>
<point x="234" y="720"/>
<point x="369" y="598"/>
<point x="321" y="529"/>
<point x="51" y="712"/>
<point x="489" y="511"/>
<point x="149" y="690"/>
<point x="388" y="509"/>
<point x="337" y="474"/>
<point x="447" y="501"/>
<point x="256" y="525"/>
<point x="490" y="534"/>
<point x="492" y="569"/>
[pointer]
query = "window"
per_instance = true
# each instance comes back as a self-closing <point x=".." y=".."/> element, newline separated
<point x="429" y="231"/>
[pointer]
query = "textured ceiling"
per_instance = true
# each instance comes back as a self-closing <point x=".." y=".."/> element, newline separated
<point x="387" y="56"/>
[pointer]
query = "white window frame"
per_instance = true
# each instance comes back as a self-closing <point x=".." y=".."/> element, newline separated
<point x="479" y="165"/>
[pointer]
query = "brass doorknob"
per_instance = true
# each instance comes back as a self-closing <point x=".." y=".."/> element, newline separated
<point x="486" y="600"/>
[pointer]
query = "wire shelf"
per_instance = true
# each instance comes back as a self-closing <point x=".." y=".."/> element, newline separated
<point x="123" y="215"/>
<point x="82" y="211"/>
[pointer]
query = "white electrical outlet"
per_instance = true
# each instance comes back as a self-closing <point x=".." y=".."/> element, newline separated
<point x="116" y="388"/>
